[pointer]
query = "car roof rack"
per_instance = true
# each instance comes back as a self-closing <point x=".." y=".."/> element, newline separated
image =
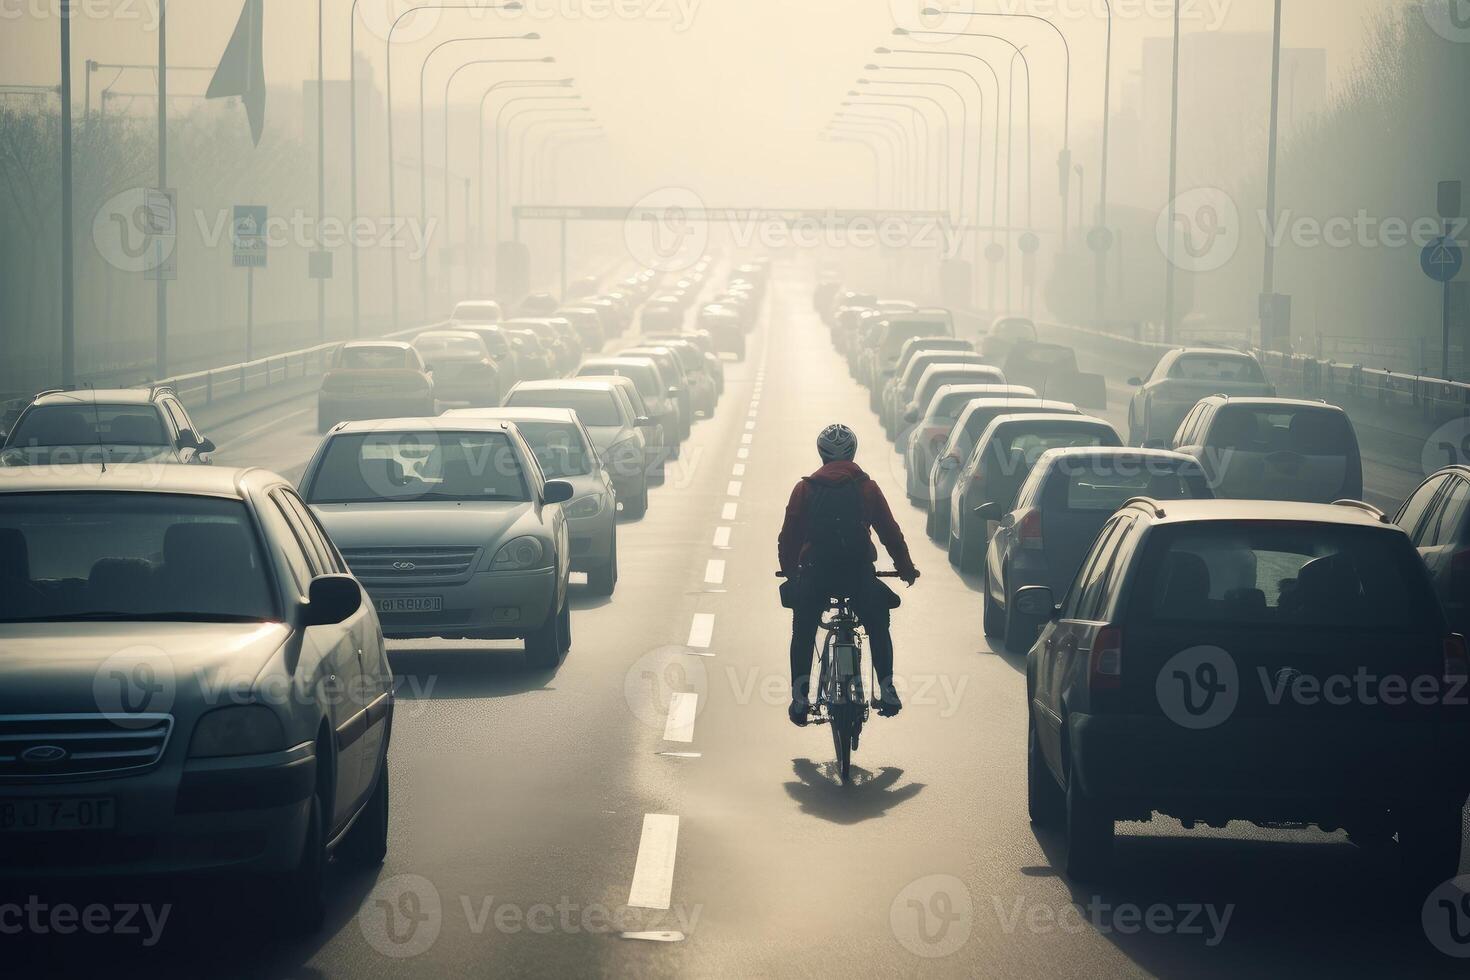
<point x="1364" y="506"/>
<point x="48" y="391"/>
<point x="1150" y="503"/>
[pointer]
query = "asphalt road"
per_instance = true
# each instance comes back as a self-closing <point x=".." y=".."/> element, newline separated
<point x="656" y="768"/>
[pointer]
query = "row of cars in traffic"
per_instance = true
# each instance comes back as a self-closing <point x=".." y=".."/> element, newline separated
<point x="194" y="675"/>
<point x="1216" y="627"/>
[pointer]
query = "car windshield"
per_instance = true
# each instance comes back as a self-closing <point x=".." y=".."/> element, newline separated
<point x="370" y="467"/>
<point x="1210" y="367"/>
<point x="1105" y="483"/>
<point x="130" y="557"/>
<point x="374" y="358"/>
<point x="84" y="424"/>
<point x="1306" y="431"/>
<point x="596" y="408"/>
<point x="449" y="346"/>
<point x="559" y="448"/>
<point x="1313" y="576"/>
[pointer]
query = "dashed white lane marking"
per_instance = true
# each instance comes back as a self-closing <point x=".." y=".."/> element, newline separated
<point x="682" y="709"/>
<point x="747" y="438"/>
<point x="722" y="537"/>
<point x="734" y="488"/>
<point x="739" y="470"/>
<point x="714" y="572"/>
<point x="701" y="631"/>
<point x="728" y="514"/>
<point x="749" y="426"/>
<point x="743" y="452"/>
<point x="653" y="875"/>
<point x="681" y="755"/>
<point x="249" y="434"/>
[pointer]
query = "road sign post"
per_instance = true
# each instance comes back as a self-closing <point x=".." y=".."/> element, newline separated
<point x="1441" y="261"/>
<point x="247" y="233"/>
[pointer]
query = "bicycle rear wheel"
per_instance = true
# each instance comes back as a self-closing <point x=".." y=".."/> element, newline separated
<point x="844" y="712"/>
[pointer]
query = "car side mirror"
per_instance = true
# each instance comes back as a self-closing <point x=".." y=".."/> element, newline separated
<point x="205" y="446"/>
<point x="1008" y="521"/>
<point x="331" y="599"/>
<point x="1036" y="601"/>
<point x="949" y="462"/>
<point x="674" y="390"/>
<point x="986" y="509"/>
<point x="1136" y="382"/>
<point x="911" y="416"/>
<point x="557" y="492"/>
<point x="643" y="421"/>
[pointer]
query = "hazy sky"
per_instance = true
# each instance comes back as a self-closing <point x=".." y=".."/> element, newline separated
<point x="727" y="90"/>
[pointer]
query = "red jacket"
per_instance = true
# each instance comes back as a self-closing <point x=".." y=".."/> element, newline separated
<point x="792" y="545"/>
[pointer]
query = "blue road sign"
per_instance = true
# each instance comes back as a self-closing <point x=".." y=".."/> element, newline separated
<point x="1442" y="259"/>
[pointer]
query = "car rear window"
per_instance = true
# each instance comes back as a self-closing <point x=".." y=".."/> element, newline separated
<point x="1027" y="444"/>
<point x="592" y="407"/>
<point x="645" y="377"/>
<point x="373" y="358"/>
<point x="1306" y="431"/>
<point x="1105" y="483"/>
<point x="1281" y="573"/>
<point x="902" y="330"/>
<point x="1014" y="330"/>
<point x="449" y="346"/>
<point x="130" y="556"/>
<point x="371" y="467"/>
<point x="1208" y="367"/>
<point x="85" y="424"/>
<point x="559" y="448"/>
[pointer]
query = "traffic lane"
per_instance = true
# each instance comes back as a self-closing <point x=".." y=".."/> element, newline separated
<point x="779" y="853"/>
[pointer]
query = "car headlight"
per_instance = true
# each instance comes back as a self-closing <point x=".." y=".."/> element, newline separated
<point x="588" y="506"/>
<point x="521" y="554"/>
<point x="242" y="729"/>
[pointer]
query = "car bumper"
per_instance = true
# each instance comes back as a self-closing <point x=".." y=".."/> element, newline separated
<point x="487" y="606"/>
<point x="247" y="814"/>
<point x="1264" y="768"/>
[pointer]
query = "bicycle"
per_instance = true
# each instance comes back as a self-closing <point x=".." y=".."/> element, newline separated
<point x="841" y="701"/>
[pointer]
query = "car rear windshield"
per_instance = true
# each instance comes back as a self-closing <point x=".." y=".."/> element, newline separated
<point x="902" y="330"/>
<point x="592" y="407"/>
<point x="1306" y="431"/>
<point x="373" y="358"/>
<point x="1208" y="367"/>
<point x="645" y="377"/>
<point x="1014" y="330"/>
<point x="559" y="448"/>
<point x="370" y="467"/>
<point x="1322" y="576"/>
<point x="449" y="347"/>
<point x="85" y="424"/>
<point x="130" y="556"/>
<point x="1026" y="444"/>
<point x="1105" y="483"/>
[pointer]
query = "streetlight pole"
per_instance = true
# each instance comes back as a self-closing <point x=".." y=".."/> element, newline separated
<point x="321" y="170"/>
<point x="919" y="172"/>
<point x="1173" y="186"/>
<point x="1268" y="282"/>
<point x="68" y="309"/>
<point x="502" y="123"/>
<point x="942" y="168"/>
<point x="160" y="291"/>
<point x="502" y="159"/>
<point x="836" y="136"/>
<point x="893" y="136"/>
<point x="423" y="157"/>
<point x="1100" y="262"/>
<point x="964" y="129"/>
<point x="547" y="184"/>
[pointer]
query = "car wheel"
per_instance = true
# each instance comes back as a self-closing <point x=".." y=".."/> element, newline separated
<point x="969" y="558"/>
<point x="954" y="550"/>
<point x="931" y="526"/>
<point x="1044" y="801"/>
<point x="995" y="624"/>
<point x="302" y="891"/>
<point x="636" y="507"/>
<point x="366" y="843"/>
<point x="603" y="579"/>
<point x="544" y="647"/>
<point x="1089" y="832"/>
<point x="1429" y="847"/>
<point x="565" y="626"/>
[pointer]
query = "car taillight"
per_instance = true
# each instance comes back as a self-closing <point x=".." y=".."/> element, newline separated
<point x="1105" y="666"/>
<point x="1028" y="532"/>
<point x="1456" y="663"/>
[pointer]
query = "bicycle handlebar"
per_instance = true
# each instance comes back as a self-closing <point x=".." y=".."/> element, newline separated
<point x="876" y="575"/>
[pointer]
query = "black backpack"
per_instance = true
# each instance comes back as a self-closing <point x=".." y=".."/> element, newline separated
<point x="834" y="522"/>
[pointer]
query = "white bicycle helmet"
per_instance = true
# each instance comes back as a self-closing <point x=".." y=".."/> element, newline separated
<point x="837" y="442"/>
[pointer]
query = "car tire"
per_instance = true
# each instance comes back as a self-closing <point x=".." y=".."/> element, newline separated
<point x="1044" y="801"/>
<point x="544" y="647"/>
<point x="967" y="560"/>
<point x="564" y="627"/>
<point x="638" y="506"/>
<point x="995" y="619"/>
<point x="1088" y="831"/>
<point x="931" y="525"/>
<point x="954" y="550"/>
<point x="603" y="579"/>
<point x="366" y="844"/>
<point x="302" y="891"/>
<point x="1429" y="847"/>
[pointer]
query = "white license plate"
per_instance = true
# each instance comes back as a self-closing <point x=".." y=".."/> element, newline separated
<point x="412" y="604"/>
<point x="43" y="816"/>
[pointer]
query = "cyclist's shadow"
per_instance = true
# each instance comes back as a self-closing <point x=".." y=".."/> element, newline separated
<point x="819" y="792"/>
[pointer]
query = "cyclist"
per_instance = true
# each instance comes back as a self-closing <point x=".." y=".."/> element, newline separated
<point x="826" y="550"/>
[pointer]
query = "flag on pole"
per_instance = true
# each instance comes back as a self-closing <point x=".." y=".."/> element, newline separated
<point x="242" y="69"/>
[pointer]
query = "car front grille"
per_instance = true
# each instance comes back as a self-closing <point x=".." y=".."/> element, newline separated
<point x="39" y="747"/>
<point x="410" y="566"/>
